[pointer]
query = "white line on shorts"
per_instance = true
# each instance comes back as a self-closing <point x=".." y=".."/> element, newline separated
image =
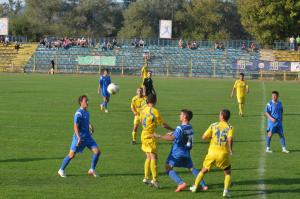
<point x="262" y="159"/>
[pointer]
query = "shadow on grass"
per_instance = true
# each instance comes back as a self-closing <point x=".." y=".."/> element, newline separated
<point x="30" y="159"/>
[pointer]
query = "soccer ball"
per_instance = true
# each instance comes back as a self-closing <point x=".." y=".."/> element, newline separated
<point x="113" y="88"/>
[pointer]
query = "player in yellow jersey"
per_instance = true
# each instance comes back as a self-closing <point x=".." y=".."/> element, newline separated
<point x="144" y="72"/>
<point x="241" y="89"/>
<point x="137" y="104"/>
<point x="220" y="135"/>
<point x="150" y="118"/>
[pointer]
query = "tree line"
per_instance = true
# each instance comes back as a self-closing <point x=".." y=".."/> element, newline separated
<point x="262" y="20"/>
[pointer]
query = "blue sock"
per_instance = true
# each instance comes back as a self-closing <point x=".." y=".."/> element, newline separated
<point x="195" y="172"/>
<point x="268" y="141"/>
<point x="65" y="162"/>
<point x="282" y="141"/>
<point x="94" y="162"/>
<point x="173" y="175"/>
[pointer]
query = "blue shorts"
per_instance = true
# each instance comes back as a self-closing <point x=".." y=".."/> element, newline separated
<point x="105" y="93"/>
<point x="87" y="142"/>
<point x="184" y="162"/>
<point x="275" y="128"/>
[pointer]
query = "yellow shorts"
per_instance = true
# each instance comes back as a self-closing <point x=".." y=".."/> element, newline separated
<point x="136" y="120"/>
<point x="220" y="160"/>
<point x="241" y="100"/>
<point x="149" y="145"/>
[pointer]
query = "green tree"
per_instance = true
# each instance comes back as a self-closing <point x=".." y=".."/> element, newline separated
<point x="268" y="20"/>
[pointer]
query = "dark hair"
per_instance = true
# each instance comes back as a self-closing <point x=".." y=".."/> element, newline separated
<point x="242" y="74"/>
<point x="81" y="98"/>
<point x="226" y="114"/>
<point x="105" y="69"/>
<point x="188" y="114"/>
<point x="276" y="93"/>
<point x="151" y="99"/>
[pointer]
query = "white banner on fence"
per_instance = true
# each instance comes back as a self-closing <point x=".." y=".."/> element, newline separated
<point x="165" y="29"/>
<point x="3" y="26"/>
<point x="295" y="66"/>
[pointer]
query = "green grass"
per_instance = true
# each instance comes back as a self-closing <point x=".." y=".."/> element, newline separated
<point x="36" y="115"/>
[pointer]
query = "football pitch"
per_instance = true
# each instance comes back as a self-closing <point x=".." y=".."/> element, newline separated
<point x="36" y="128"/>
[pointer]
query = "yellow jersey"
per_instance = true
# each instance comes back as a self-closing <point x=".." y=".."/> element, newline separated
<point x="138" y="103"/>
<point x="150" y="118"/>
<point x="240" y="87"/>
<point x="219" y="132"/>
<point x="144" y="71"/>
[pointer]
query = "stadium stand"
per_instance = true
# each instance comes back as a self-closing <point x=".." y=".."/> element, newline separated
<point x="163" y="59"/>
<point x="13" y="60"/>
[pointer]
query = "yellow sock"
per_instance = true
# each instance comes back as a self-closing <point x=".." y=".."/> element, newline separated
<point x="240" y="109"/>
<point x="154" y="169"/>
<point x="134" y="135"/>
<point x="227" y="182"/>
<point x="199" y="178"/>
<point x="147" y="168"/>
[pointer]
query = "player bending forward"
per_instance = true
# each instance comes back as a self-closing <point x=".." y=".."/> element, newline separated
<point x="220" y="135"/>
<point x="138" y="102"/>
<point x="180" y="155"/>
<point x="82" y="138"/>
<point x="150" y="118"/>
<point x="104" y="82"/>
<point x="274" y="113"/>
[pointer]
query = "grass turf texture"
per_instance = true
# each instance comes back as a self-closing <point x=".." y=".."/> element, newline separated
<point x="36" y="131"/>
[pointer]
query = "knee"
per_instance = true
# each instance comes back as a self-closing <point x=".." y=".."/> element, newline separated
<point x="269" y="134"/>
<point x="71" y="155"/>
<point x="97" y="151"/>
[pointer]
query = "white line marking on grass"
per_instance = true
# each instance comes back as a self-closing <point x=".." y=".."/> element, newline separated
<point x="262" y="159"/>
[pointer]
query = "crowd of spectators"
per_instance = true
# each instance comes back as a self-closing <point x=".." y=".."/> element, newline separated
<point x="66" y="42"/>
<point x="252" y="47"/>
<point x="110" y="45"/>
<point x="4" y="40"/>
<point x="188" y="44"/>
<point x="138" y="43"/>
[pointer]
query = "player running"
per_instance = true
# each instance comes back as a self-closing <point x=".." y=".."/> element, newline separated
<point x="220" y="135"/>
<point x="82" y="138"/>
<point x="241" y="89"/>
<point x="180" y="155"/>
<point x="274" y="113"/>
<point x="150" y="118"/>
<point x="144" y="72"/>
<point x="137" y="104"/>
<point x="148" y="85"/>
<point x="104" y="81"/>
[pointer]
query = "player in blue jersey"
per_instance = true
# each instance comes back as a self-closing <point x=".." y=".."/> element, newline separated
<point x="274" y="113"/>
<point x="82" y="138"/>
<point x="104" y="81"/>
<point x="180" y="155"/>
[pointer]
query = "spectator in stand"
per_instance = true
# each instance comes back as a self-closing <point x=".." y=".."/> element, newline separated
<point x="221" y="47"/>
<point x="114" y="43"/>
<point x="194" y="45"/>
<point x="298" y="42"/>
<point x="135" y="42"/>
<point x="17" y="46"/>
<point x="6" y="41"/>
<point x="216" y="45"/>
<point x="244" y="47"/>
<point x="292" y="43"/>
<point x="252" y="47"/>
<point x="142" y="43"/>
<point x="108" y="46"/>
<point x="104" y="46"/>
<point x="180" y="43"/>
<point x="188" y="45"/>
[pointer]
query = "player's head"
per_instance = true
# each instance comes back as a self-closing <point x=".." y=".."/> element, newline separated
<point x="224" y="115"/>
<point x="83" y="101"/>
<point x="105" y="72"/>
<point x="186" y="115"/>
<point x="151" y="99"/>
<point x="149" y="74"/>
<point x="242" y="76"/>
<point x="275" y="96"/>
<point x="139" y="92"/>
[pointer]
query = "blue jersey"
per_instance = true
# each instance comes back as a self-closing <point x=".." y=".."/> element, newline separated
<point x="104" y="81"/>
<point x="275" y="110"/>
<point x="82" y="119"/>
<point x="183" y="141"/>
